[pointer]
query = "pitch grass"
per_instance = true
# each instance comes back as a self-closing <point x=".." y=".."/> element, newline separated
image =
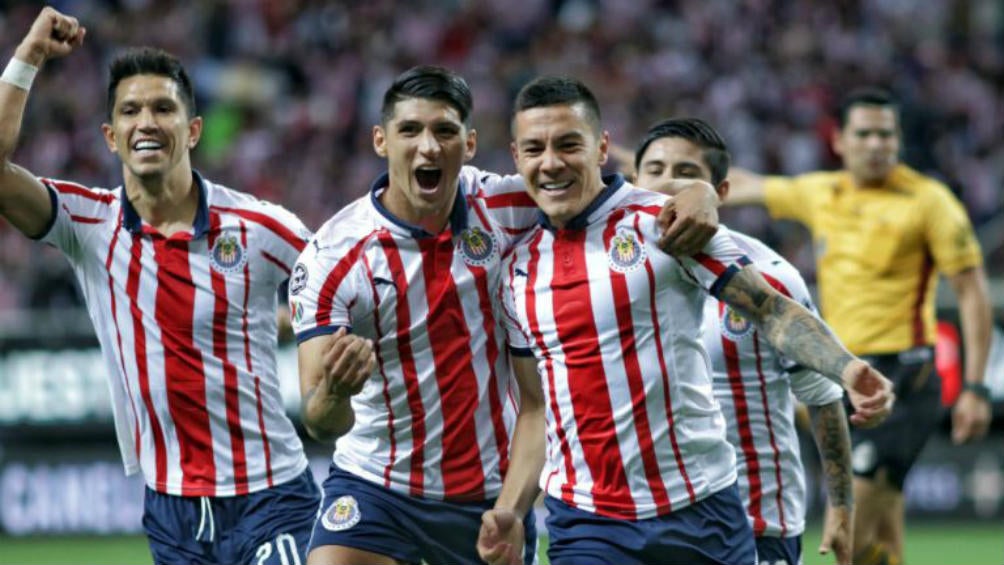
<point x="968" y="543"/>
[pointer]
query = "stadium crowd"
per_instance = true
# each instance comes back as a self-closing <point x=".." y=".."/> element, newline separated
<point x="288" y="90"/>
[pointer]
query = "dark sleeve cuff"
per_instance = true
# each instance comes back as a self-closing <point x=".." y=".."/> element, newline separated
<point x="520" y="351"/>
<point x="322" y="330"/>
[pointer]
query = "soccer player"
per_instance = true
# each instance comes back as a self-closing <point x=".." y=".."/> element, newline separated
<point x="180" y="277"/>
<point x="423" y="443"/>
<point x="637" y="466"/>
<point x="753" y="382"/>
<point x="883" y="232"/>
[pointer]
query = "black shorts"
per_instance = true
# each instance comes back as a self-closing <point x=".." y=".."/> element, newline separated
<point x="895" y="444"/>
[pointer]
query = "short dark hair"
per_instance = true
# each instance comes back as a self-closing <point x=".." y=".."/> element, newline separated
<point x="697" y="131"/>
<point x="431" y="82"/>
<point x="865" y="96"/>
<point x="149" y="61"/>
<point x="558" y="90"/>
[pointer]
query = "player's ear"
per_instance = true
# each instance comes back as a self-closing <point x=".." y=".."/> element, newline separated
<point x="194" y="131"/>
<point x="723" y="190"/>
<point x="604" y="147"/>
<point x="108" y="132"/>
<point x="379" y="141"/>
<point x="471" y="145"/>
<point x="837" y="141"/>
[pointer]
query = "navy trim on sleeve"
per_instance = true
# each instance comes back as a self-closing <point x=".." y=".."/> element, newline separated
<point x="322" y="330"/>
<point x="725" y="277"/>
<point x="520" y="351"/>
<point x="54" y="199"/>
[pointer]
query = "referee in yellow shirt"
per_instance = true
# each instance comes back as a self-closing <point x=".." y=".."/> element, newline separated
<point x="882" y="233"/>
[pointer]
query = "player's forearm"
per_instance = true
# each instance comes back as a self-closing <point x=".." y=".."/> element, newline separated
<point x="521" y="484"/>
<point x="976" y="322"/>
<point x="325" y="416"/>
<point x="829" y="427"/>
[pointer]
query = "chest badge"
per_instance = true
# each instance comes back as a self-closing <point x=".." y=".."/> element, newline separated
<point x="477" y="246"/>
<point x="735" y="326"/>
<point x="227" y="254"/>
<point x="626" y="252"/>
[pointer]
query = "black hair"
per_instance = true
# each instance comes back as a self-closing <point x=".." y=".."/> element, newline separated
<point x="697" y="131"/>
<point x="557" y="90"/>
<point x="865" y="96"/>
<point x="434" y="83"/>
<point x="149" y="61"/>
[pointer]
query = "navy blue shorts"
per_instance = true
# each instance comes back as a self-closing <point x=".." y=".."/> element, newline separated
<point x="714" y="531"/>
<point x="779" y="551"/>
<point x="360" y="514"/>
<point x="268" y="527"/>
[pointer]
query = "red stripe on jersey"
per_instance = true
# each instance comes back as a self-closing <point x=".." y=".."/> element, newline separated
<point x="531" y="316"/>
<point x="745" y="433"/>
<point x="777" y="284"/>
<point x="75" y="189"/>
<point x="184" y="374"/>
<point x="275" y="261"/>
<point x="509" y="200"/>
<point x="118" y="339"/>
<point x="261" y="428"/>
<point x="918" y="305"/>
<point x="247" y="354"/>
<point x="326" y="296"/>
<point x="710" y="263"/>
<point x="221" y="310"/>
<point x="272" y="224"/>
<point x="383" y="373"/>
<point x="416" y="481"/>
<point x="450" y="340"/>
<point x="590" y="396"/>
<point x="86" y="219"/>
<point x="142" y="371"/>
<point x="632" y="370"/>
<point x="667" y="397"/>
<point x="770" y="432"/>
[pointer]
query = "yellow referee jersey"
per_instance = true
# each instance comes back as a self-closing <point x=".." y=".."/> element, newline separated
<point x="878" y="251"/>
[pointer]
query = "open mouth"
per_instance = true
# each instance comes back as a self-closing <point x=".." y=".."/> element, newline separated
<point x="555" y="186"/>
<point x="428" y="177"/>
<point x="147" y="146"/>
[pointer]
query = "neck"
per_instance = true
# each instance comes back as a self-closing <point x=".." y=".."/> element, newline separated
<point x="431" y="219"/>
<point x="168" y="203"/>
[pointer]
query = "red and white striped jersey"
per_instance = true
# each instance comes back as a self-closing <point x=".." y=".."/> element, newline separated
<point x="187" y="327"/>
<point x="435" y="417"/>
<point x="633" y="429"/>
<point x="754" y="384"/>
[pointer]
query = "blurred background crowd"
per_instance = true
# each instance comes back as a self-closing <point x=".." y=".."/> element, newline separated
<point x="290" y="89"/>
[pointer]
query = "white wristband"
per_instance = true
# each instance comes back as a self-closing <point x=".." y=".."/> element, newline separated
<point x="19" y="74"/>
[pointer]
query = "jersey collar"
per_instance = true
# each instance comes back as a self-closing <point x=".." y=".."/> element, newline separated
<point x="613" y="183"/>
<point x="458" y="215"/>
<point x="200" y="227"/>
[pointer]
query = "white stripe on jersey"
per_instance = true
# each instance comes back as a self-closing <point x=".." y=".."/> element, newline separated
<point x="187" y="328"/>
<point x="633" y="429"/>
<point x="751" y="381"/>
<point x="434" y="420"/>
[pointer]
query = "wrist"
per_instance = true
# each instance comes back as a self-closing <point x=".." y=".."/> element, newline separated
<point x="979" y="389"/>
<point x="19" y="74"/>
<point x="30" y="55"/>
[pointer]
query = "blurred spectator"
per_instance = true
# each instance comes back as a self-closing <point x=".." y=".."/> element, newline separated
<point x="292" y="89"/>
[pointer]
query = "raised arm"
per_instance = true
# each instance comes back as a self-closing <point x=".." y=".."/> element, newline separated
<point x="829" y="427"/>
<point x="24" y="202"/>
<point x="805" y="339"/>
<point x="333" y="368"/>
<point x="745" y="187"/>
<point x="500" y="541"/>
<point x="971" y="415"/>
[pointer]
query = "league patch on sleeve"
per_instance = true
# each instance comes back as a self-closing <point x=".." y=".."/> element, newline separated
<point x="298" y="280"/>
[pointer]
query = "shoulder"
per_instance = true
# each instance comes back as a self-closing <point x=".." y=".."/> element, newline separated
<point x="72" y="190"/>
<point x="640" y="201"/>
<point x="226" y="200"/>
<point x="921" y="185"/>
<point x="349" y="226"/>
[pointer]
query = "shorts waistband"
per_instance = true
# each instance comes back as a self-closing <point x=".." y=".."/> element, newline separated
<point x="919" y="354"/>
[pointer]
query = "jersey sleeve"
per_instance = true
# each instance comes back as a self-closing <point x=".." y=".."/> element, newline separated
<point x="787" y="198"/>
<point x="324" y="284"/>
<point x="715" y="265"/>
<point x="284" y="238"/>
<point x="75" y="207"/>
<point x="517" y="339"/>
<point x="950" y="234"/>
<point x="506" y="201"/>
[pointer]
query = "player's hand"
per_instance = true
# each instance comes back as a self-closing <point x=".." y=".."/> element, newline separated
<point x="500" y="541"/>
<point x="690" y="219"/>
<point x="870" y="394"/>
<point x="838" y="534"/>
<point x="348" y="362"/>
<point x="970" y="417"/>
<point x="52" y="35"/>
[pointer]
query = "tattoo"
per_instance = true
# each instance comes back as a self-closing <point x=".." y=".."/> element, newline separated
<point x="788" y="326"/>
<point x="829" y="426"/>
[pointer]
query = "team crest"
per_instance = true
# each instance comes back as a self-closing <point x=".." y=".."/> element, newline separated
<point x="298" y="280"/>
<point x="228" y="255"/>
<point x="342" y="514"/>
<point x="626" y="253"/>
<point x="734" y="325"/>
<point x="477" y="246"/>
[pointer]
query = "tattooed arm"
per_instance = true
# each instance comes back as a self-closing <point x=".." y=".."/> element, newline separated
<point x="806" y="340"/>
<point x="829" y="426"/>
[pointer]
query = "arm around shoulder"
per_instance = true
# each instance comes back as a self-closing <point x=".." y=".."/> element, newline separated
<point x="745" y="187"/>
